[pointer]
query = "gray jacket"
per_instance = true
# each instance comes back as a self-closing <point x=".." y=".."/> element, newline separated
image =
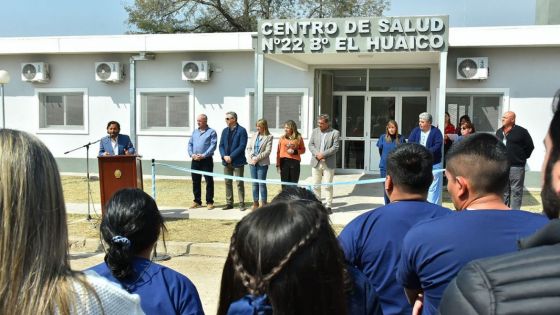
<point x="332" y="143"/>
<point x="263" y="156"/>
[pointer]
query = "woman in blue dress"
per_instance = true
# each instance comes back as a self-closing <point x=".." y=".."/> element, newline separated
<point x="388" y="142"/>
<point x="131" y="228"/>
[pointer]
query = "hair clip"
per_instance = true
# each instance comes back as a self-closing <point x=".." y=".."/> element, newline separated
<point x="121" y="240"/>
<point x="251" y="305"/>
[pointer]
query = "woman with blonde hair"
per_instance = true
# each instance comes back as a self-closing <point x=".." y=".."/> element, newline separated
<point x="258" y="154"/>
<point x="35" y="274"/>
<point x="288" y="156"/>
<point x="387" y="143"/>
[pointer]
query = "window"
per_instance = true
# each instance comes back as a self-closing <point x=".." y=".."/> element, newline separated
<point x="62" y="110"/>
<point x="350" y="80"/>
<point x="399" y="80"/>
<point x="278" y="107"/>
<point x="483" y="109"/>
<point x="164" y="111"/>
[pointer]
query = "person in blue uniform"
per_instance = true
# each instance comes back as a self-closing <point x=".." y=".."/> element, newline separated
<point x="387" y="143"/>
<point x="131" y="228"/>
<point x="372" y="242"/>
<point x="435" y="250"/>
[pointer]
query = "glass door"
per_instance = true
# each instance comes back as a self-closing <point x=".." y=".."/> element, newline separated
<point x="361" y="119"/>
<point x="411" y="107"/>
<point x="403" y="107"/>
<point x="382" y="109"/>
<point x="351" y="109"/>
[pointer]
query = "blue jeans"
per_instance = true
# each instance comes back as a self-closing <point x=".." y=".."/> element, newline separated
<point x="259" y="172"/>
<point x="434" y="193"/>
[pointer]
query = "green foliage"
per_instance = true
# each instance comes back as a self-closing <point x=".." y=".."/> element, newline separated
<point x="208" y="16"/>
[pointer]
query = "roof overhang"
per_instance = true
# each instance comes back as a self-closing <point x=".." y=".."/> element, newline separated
<point x="305" y="61"/>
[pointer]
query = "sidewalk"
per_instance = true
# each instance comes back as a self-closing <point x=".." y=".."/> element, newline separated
<point x="349" y="202"/>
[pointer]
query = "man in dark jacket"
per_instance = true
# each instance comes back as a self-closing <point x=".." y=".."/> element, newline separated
<point x="232" y="149"/>
<point x="430" y="137"/>
<point x="526" y="282"/>
<point x="519" y="147"/>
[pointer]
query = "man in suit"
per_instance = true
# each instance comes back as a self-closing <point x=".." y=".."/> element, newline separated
<point x="232" y="149"/>
<point x="323" y="145"/>
<point x="430" y="137"/>
<point x="115" y="143"/>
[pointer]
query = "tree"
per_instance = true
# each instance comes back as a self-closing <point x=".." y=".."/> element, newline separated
<point x="185" y="16"/>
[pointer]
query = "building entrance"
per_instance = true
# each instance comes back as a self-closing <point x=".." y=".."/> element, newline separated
<point x="362" y="118"/>
<point x="362" y="101"/>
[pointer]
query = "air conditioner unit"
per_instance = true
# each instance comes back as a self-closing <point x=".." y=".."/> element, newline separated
<point x="474" y="68"/>
<point x="109" y="71"/>
<point x="195" y="71"/>
<point x="35" y="72"/>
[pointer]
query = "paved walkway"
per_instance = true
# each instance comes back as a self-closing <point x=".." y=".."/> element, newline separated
<point x="349" y="202"/>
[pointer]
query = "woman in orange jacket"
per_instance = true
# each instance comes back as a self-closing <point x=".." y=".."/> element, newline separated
<point x="288" y="157"/>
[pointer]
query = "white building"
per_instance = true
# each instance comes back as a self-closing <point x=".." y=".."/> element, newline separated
<point x="361" y="89"/>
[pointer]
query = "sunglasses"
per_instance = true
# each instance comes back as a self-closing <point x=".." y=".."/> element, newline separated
<point x="229" y="118"/>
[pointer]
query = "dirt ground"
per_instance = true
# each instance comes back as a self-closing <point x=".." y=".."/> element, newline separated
<point x="204" y="271"/>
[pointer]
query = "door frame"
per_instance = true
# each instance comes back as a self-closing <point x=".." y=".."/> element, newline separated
<point x="371" y="142"/>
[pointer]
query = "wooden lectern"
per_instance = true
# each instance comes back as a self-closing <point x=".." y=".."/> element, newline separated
<point x="117" y="172"/>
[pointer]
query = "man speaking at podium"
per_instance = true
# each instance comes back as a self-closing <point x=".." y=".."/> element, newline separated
<point x="115" y="143"/>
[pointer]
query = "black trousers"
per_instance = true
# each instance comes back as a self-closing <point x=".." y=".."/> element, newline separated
<point x="289" y="170"/>
<point x="206" y="165"/>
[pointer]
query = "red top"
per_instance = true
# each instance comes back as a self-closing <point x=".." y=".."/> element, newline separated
<point x="449" y="129"/>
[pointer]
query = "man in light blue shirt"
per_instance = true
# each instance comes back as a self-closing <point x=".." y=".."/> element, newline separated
<point x="201" y="149"/>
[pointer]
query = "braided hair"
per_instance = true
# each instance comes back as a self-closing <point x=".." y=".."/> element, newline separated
<point x="288" y="251"/>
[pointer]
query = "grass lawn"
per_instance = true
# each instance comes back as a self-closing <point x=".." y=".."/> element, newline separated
<point x="174" y="192"/>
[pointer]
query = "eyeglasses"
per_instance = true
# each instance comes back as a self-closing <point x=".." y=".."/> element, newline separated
<point x="229" y="118"/>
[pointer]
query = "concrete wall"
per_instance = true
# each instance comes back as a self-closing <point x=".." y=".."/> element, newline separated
<point x="530" y="75"/>
<point x="226" y="91"/>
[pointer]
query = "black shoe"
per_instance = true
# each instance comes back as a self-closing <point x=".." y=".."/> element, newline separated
<point x="242" y="207"/>
<point x="227" y="207"/>
<point x="329" y="210"/>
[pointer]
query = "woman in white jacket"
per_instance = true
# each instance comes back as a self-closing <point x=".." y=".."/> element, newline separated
<point x="35" y="274"/>
<point x="258" y="156"/>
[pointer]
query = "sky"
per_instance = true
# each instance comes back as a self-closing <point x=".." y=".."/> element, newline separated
<point x="20" y="18"/>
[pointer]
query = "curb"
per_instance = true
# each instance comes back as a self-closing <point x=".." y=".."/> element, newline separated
<point x="174" y="248"/>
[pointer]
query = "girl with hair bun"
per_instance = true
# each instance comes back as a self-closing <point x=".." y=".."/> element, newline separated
<point x="284" y="259"/>
<point x="131" y="227"/>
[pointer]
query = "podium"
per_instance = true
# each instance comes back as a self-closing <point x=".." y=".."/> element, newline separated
<point x="117" y="172"/>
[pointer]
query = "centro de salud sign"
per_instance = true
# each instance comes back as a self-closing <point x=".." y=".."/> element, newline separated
<point x="353" y="35"/>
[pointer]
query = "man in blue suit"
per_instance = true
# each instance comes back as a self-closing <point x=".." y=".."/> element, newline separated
<point x="232" y="149"/>
<point x="430" y="137"/>
<point x="115" y="143"/>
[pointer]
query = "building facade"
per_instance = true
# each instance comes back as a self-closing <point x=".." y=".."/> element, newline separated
<point x="362" y="72"/>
